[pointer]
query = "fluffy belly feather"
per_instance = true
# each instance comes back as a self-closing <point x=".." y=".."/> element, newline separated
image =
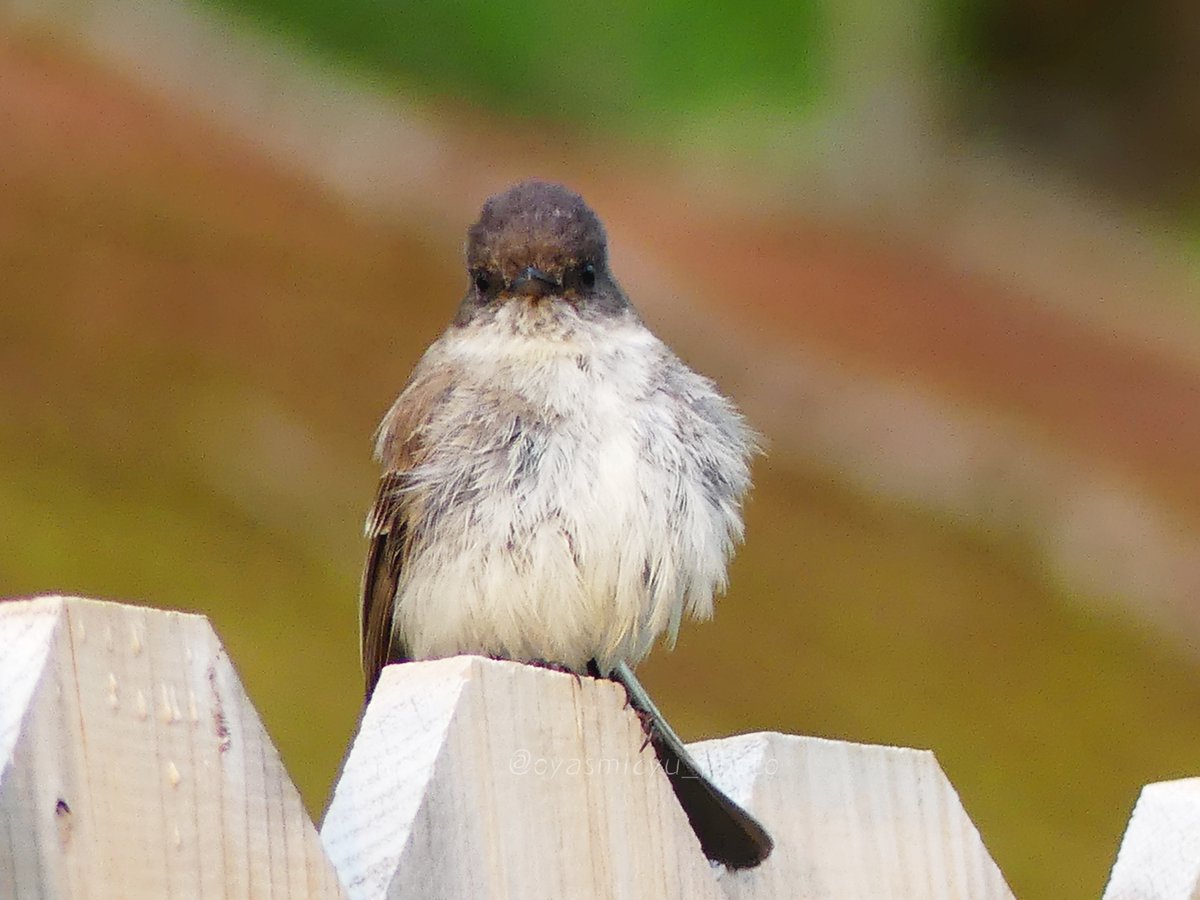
<point x="565" y="520"/>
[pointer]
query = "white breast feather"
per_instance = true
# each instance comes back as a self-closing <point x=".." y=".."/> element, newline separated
<point x="557" y="569"/>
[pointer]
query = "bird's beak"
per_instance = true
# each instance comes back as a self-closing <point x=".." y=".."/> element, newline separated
<point x="534" y="283"/>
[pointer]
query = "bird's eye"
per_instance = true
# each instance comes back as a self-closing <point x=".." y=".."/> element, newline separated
<point x="587" y="275"/>
<point x="482" y="282"/>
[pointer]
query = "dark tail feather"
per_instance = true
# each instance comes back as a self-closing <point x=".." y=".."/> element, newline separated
<point x="728" y="834"/>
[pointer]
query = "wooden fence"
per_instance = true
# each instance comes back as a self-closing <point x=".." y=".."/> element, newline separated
<point x="135" y="766"/>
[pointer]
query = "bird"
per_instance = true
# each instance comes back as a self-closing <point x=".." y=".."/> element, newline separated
<point x="558" y="487"/>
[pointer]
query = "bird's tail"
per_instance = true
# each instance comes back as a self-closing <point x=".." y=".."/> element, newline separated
<point x="728" y="834"/>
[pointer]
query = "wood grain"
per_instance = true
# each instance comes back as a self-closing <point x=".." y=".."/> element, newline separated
<point x="851" y="821"/>
<point x="472" y="777"/>
<point x="135" y="766"/>
<point x="477" y="778"/>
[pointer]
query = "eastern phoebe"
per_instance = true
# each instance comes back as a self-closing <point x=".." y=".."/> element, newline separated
<point x="558" y="487"/>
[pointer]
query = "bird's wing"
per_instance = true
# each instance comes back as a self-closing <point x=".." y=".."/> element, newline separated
<point x="386" y="528"/>
<point x="400" y="447"/>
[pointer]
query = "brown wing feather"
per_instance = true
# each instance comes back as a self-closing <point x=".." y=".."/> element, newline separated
<point x="399" y="447"/>
<point x="381" y="575"/>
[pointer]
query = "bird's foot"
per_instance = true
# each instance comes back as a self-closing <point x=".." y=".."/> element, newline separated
<point x="552" y="666"/>
<point x="555" y="667"/>
<point x="648" y="726"/>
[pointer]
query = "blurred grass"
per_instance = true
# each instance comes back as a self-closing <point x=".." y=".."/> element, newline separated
<point x="660" y="68"/>
<point x="197" y="350"/>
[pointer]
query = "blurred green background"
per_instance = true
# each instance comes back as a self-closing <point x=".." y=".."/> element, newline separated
<point x="203" y="323"/>
<point x="652" y="67"/>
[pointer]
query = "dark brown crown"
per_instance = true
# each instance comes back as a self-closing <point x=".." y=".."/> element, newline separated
<point x="535" y="223"/>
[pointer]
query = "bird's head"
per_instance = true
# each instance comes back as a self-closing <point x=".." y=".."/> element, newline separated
<point x="538" y="243"/>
